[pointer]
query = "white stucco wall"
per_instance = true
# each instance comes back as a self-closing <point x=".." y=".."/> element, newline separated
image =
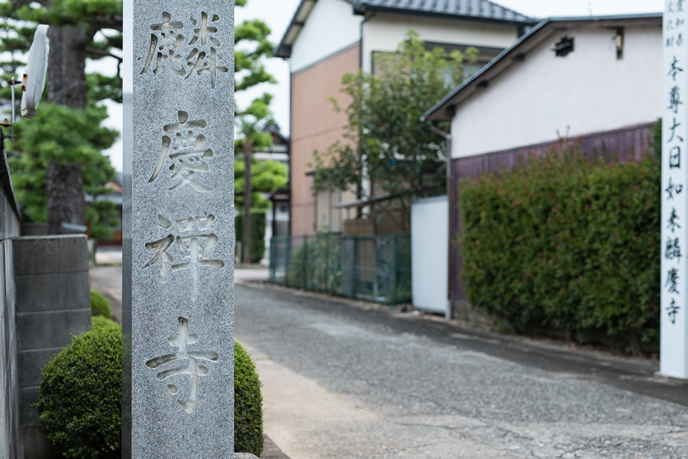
<point x="585" y="92"/>
<point x="384" y="32"/>
<point x="330" y="27"/>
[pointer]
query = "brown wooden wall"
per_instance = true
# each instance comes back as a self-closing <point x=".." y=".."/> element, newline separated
<point x="315" y="126"/>
<point x="628" y="143"/>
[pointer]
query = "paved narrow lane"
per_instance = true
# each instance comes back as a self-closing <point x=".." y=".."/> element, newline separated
<point x="342" y="380"/>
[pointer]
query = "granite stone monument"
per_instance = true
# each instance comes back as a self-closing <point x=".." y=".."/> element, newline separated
<point x="178" y="395"/>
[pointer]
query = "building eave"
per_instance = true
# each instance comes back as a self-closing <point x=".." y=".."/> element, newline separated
<point x="283" y="49"/>
<point x="445" y="108"/>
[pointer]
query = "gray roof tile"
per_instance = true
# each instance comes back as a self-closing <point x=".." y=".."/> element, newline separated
<point x="483" y="9"/>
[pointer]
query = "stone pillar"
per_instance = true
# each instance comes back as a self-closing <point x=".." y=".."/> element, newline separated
<point x="178" y="225"/>
<point x="52" y="304"/>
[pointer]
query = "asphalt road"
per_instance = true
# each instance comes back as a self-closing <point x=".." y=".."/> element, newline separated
<point x="342" y="379"/>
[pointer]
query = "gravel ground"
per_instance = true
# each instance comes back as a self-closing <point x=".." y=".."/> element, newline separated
<point x="441" y="398"/>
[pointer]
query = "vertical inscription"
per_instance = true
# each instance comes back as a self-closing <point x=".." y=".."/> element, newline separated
<point x="194" y="250"/>
<point x="674" y="354"/>
<point x="179" y="74"/>
<point x="168" y="47"/>
<point x="192" y="368"/>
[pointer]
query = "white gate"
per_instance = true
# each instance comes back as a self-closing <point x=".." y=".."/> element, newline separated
<point x="430" y="254"/>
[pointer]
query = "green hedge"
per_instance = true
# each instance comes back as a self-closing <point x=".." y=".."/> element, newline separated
<point x="567" y="243"/>
<point x="316" y="264"/>
<point x="100" y="306"/>
<point x="258" y="225"/>
<point x="79" y="398"/>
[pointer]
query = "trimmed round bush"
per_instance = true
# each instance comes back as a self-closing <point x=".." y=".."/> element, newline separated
<point x="248" y="404"/>
<point x="100" y="321"/>
<point x="100" y="306"/>
<point x="79" y="399"/>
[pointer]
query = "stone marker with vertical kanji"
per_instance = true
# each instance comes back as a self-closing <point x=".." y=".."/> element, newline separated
<point x="674" y="271"/>
<point x="178" y="395"/>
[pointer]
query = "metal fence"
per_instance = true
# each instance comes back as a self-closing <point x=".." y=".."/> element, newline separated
<point x="373" y="268"/>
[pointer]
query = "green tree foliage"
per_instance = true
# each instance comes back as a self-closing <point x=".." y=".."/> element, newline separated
<point x="566" y="242"/>
<point x="253" y="137"/>
<point x="317" y="265"/>
<point x="385" y="142"/>
<point x="266" y="177"/>
<point x="76" y="135"/>
<point x="252" y="47"/>
<point x="656" y="139"/>
<point x="64" y="134"/>
<point x="257" y="241"/>
<point x="61" y="134"/>
<point x="102" y="214"/>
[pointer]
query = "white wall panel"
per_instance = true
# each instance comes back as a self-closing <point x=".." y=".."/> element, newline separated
<point x="330" y="27"/>
<point x="384" y="32"/>
<point x="587" y="91"/>
<point x="430" y="254"/>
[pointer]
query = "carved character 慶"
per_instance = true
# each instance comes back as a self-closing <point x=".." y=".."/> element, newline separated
<point x="186" y="149"/>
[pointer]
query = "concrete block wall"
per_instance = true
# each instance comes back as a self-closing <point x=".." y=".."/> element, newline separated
<point x="52" y="304"/>
<point x="10" y="446"/>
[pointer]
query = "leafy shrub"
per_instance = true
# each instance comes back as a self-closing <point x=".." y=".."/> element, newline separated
<point x="248" y="404"/>
<point x="100" y="306"/>
<point x="79" y="398"/>
<point x="316" y="264"/>
<point x="258" y="225"/>
<point x="100" y="321"/>
<point x="566" y="242"/>
<point x="332" y="263"/>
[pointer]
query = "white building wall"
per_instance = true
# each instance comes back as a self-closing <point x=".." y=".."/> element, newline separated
<point x="384" y="32"/>
<point x="330" y="27"/>
<point x="587" y="91"/>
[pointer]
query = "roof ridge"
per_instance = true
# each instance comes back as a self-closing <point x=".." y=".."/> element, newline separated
<point x="475" y="8"/>
<point x="506" y="9"/>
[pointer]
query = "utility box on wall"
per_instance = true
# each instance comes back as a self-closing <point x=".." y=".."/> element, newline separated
<point x="430" y="254"/>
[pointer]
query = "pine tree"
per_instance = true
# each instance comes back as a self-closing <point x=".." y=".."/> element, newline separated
<point x="64" y="157"/>
<point x="59" y="153"/>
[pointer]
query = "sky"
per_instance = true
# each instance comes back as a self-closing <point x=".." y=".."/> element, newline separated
<point x="278" y="13"/>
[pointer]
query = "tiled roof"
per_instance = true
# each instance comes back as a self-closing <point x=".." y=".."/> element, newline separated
<point x="478" y="9"/>
<point x="473" y="10"/>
